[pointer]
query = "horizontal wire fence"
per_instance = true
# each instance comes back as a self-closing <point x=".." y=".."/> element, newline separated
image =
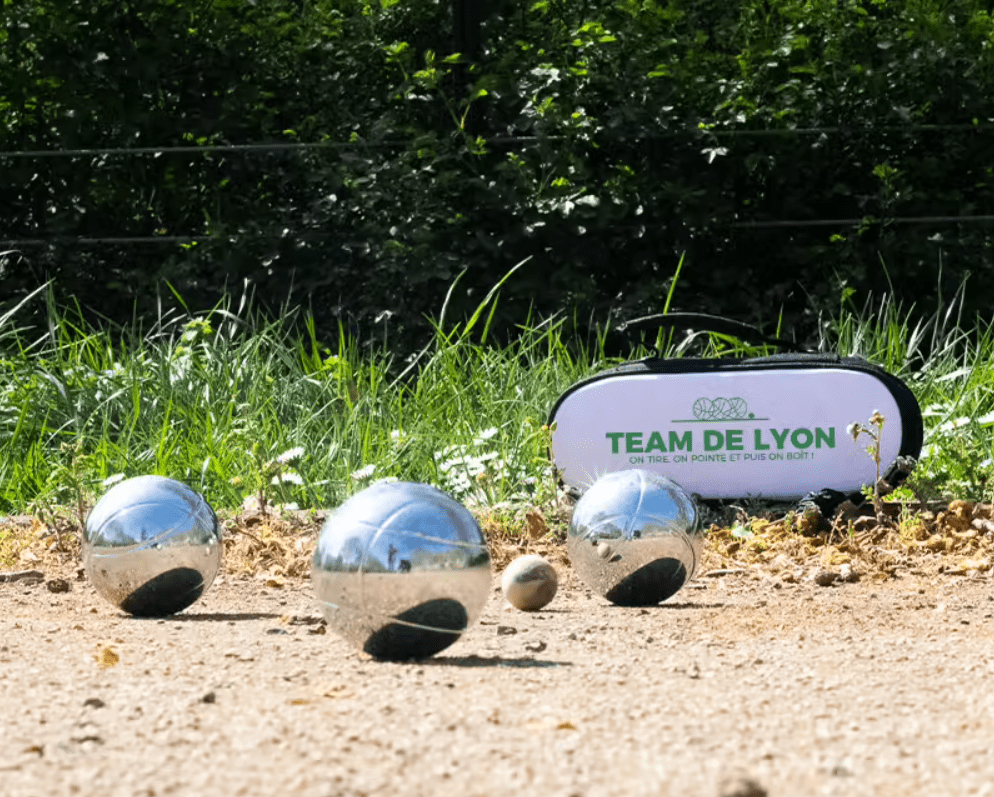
<point x="510" y="141"/>
<point x="496" y="140"/>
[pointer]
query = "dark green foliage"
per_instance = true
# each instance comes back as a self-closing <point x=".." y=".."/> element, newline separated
<point x="603" y="139"/>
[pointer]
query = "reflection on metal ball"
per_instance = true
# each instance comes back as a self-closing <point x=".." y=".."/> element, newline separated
<point x="151" y="546"/>
<point x="401" y="570"/>
<point x="635" y="537"/>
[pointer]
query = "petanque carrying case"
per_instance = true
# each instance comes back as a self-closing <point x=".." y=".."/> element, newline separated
<point x="773" y="427"/>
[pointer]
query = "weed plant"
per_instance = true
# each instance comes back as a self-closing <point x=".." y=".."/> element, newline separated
<point x="948" y="362"/>
<point x="251" y="410"/>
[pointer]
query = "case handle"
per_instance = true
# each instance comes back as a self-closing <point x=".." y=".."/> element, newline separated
<point x="707" y="323"/>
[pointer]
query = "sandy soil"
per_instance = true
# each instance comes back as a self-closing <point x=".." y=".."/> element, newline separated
<point x="742" y="684"/>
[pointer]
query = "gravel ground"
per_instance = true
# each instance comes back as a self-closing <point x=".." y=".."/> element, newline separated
<point x="739" y="685"/>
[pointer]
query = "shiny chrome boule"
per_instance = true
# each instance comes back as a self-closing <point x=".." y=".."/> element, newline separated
<point x="151" y="546"/>
<point x="401" y="570"/>
<point x="635" y="537"/>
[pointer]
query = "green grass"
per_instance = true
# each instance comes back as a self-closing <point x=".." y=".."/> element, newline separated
<point x="237" y="406"/>
<point x="948" y="362"/>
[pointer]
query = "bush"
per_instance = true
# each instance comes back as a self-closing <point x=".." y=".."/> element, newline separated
<point x="781" y="147"/>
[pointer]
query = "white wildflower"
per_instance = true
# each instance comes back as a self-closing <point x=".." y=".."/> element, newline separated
<point x="290" y="454"/>
<point x="956" y="423"/>
<point x="449" y="450"/>
<point x="363" y="473"/>
<point x="485" y="435"/>
<point x="291" y="477"/>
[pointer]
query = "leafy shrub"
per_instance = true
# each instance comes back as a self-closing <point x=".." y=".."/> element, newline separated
<point x="605" y="140"/>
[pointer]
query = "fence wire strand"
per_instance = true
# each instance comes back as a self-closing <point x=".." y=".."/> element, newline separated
<point x="269" y="147"/>
<point x="80" y="240"/>
<point x="290" y="146"/>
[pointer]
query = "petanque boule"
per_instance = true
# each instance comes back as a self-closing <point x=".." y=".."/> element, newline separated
<point x="529" y="583"/>
<point x="401" y="570"/>
<point x="635" y="537"/>
<point x="151" y="546"/>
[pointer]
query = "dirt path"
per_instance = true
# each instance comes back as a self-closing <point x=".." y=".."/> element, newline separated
<point x="865" y="688"/>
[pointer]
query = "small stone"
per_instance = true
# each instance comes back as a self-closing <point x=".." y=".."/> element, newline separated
<point x="58" y="585"/>
<point x="983" y="525"/>
<point x="865" y="523"/>
<point x="847" y="574"/>
<point x="27" y="576"/>
<point x="506" y="630"/>
<point x="825" y="578"/>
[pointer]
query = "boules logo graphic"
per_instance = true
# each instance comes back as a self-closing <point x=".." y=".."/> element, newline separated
<point x="712" y="410"/>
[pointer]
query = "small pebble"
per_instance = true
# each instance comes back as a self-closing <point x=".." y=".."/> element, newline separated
<point x="27" y="576"/>
<point x="825" y="578"/>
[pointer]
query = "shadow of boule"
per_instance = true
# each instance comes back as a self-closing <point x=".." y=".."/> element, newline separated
<point x="650" y="584"/>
